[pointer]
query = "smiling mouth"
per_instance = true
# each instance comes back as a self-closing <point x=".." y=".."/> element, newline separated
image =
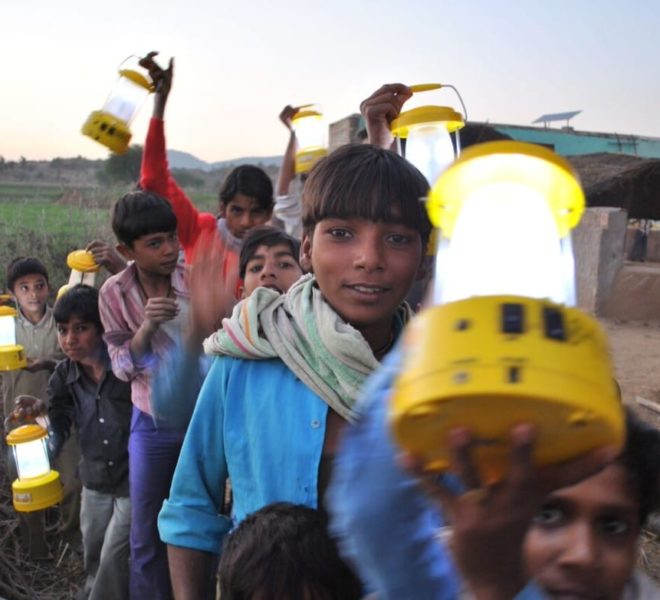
<point x="369" y="290"/>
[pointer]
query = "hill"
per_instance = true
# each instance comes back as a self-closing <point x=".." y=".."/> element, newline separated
<point x="185" y="160"/>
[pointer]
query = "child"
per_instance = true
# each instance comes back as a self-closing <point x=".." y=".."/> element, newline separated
<point x="583" y="540"/>
<point x="142" y="310"/>
<point x="27" y="280"/>
<point x="246" y="196"/>
<point x="84" y="391"/>
<point x="290" y="367"/>
<point x="284" y="551"/>
<point x="269" y="258"/>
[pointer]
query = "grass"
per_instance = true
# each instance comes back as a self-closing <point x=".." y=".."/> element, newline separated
<point x="16" y="192"/>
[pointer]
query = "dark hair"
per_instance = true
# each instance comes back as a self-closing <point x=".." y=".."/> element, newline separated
<point x="140" y="213"/>
<point x="80" y="301"/>
<point x="22" y="266"/>
<point x="250" y="181"/>
<point x="284" y="551"/>
<point x="362" y="180"/>
<point x="641" y="459"/>
<point x="265" y="236"/>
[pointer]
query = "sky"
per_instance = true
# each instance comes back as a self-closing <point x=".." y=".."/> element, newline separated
<point x="238" y="63"/>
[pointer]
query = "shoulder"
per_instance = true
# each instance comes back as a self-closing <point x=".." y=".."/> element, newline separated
<point x="121" y="280"/>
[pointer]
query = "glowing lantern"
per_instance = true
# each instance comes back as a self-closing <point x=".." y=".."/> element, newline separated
<point x="426" y="131"/>
<point x="37" y="486"/>
<point x="83" y="270"/>
<point x="12" y="356"/>
<point x="310" y="129"/>
<point x="110" y="126"/>
<point x="502" y="345"/>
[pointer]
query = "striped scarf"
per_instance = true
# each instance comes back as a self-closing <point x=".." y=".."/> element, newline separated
<point x="327" y="354"/>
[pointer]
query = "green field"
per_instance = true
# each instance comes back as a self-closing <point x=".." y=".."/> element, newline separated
<point x="48" y="221"/>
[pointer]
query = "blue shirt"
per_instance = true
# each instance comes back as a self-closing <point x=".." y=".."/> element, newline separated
<point x="257" y="424"/>
<point x="386" y="525"/>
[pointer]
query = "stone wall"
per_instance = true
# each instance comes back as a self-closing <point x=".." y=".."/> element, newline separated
<point x="598" y="243"/>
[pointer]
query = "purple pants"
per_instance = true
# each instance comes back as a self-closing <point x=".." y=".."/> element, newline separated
<point x="152" y="453"/>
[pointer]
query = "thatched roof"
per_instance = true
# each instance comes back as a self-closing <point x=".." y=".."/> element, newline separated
<point x="622" y="181"/>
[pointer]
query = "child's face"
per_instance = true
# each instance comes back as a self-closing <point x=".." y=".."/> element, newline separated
<point x="80" y="340"/>
<point x="363" y="268"/>
<point x="154" y="253"/>
<point x="242" y="213"/>
<point x="274" y="267"/>
<point x="31" y="293"/>
<point x="582" y="543"/>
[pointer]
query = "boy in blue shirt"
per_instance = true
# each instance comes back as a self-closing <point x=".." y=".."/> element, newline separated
<point x="289" y="367"/>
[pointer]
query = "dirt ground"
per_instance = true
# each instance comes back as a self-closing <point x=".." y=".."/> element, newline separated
<point x="636" y="353"/>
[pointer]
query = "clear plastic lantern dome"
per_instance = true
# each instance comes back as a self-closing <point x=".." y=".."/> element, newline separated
<point x="423" y="134"/>
<point x="510" y="232"/>
<point x="110" y="126"/>
<point x="311" y="134"/>
<point x="7" y="326"/>
<point x="130" y="91"/>
<point x="31" y="459"/>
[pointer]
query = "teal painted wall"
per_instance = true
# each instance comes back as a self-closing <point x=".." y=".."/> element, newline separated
<point x="571" y="143"/>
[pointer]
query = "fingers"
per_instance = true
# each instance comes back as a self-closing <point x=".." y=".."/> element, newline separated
<point x="460" y="446"/>
<point x="386" y="100"/>
<point x="161" y="309"/>
<point x="521" y="468"/>
<point x="429" y="482"/>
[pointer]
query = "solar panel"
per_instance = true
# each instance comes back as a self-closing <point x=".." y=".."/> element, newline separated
<point x="564" y="116"/>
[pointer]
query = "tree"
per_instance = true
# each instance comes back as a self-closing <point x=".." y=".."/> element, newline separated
<point x="125" y="167"/>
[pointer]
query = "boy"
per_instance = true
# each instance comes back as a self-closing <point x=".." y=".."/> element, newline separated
<point x="583" y="540"/>
<point x="284" y="551"/>
<point x="84" y="391"/>
<point x="269" y="258"/>
<point x="271" y="409"/>
<point x="27" y="280"/>
<point x="142" y="310"/>
<point x="246" y="195"/>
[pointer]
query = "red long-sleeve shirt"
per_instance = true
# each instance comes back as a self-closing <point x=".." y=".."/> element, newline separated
<point x="155" y="177"/>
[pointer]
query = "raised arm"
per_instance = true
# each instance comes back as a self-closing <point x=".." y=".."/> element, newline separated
<point x="380" y="109"/>
<point x="288" y="168"/>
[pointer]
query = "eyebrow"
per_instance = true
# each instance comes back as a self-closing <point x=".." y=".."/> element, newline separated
<point x="277" y="255"/>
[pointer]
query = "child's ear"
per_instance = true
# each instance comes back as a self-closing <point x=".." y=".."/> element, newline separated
<point x="241" y="292"/>
<point x="425" y="267"/>
<point x="125" y="251"/>
<point x="306" y="253"/>
<point x="222" y="213"/>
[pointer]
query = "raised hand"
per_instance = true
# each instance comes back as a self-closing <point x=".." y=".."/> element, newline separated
<point x="380" y="109"/>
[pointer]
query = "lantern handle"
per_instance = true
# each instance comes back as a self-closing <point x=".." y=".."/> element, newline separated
<point x="427" y="87"/>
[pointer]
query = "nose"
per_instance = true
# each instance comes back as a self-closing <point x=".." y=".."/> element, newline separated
<point x="369" y="254"/>
<point x="246" y="221"/>
<point x="581" y="548"/>
<point x="171" y="247"/>
<point x="268" y="271"/>
<point x="68" y="339"/>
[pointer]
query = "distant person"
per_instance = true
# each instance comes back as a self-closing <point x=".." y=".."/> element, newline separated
<point x="84" y="394"/>
<point x="28" y="283"/>
<point x="284" y="551"/>
<point x="246" y="195"/>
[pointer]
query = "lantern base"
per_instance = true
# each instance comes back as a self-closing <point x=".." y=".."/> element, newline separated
<point x="489" y="363"/>
<point x="37" y="493"/>
<point x="306" y="159"/>
<point x="12" y="358"/>
<point x="108" y="130"/>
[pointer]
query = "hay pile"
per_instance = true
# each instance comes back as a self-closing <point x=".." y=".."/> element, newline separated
<point x="621" y="181"/>
<point x="22" y="578"/>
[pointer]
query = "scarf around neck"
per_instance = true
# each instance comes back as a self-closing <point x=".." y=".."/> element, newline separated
<point x="327" y="354"/>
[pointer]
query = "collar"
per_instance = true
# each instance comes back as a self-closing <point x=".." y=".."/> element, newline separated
<point x="75" y="372"/>
<point x="45" y="320"/>
<point x="128" y="278"/>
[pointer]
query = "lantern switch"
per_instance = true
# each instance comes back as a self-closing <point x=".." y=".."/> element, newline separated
<point x="513" y="318"/>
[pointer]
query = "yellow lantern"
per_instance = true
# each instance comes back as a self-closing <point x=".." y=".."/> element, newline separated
<point x="37" y="486"/>
<point x="311" y="132"/>
<point x="83" y="270"/>
<point x="423" y="133"/>
<point x="12" y="356"/>
<point x="502" y="344"/>
<point x="110" y="126"/>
